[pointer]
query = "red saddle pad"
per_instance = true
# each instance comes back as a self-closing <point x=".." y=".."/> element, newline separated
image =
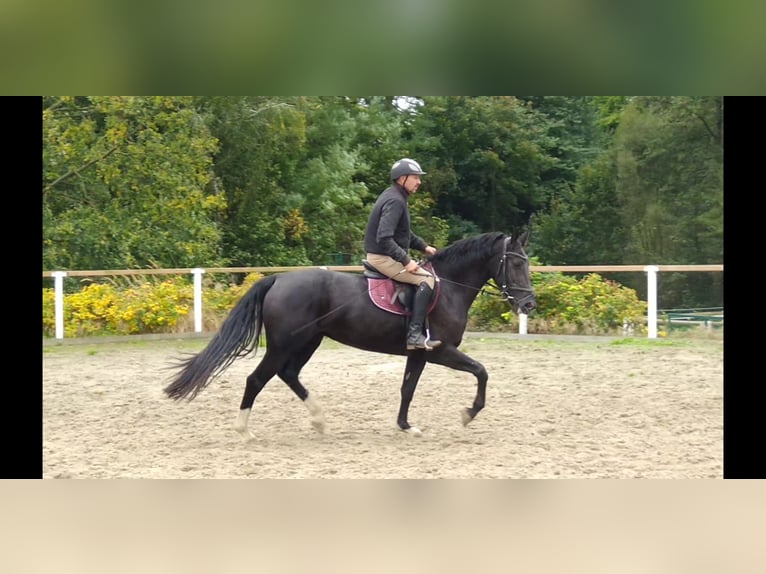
<point x="384" y="293"/>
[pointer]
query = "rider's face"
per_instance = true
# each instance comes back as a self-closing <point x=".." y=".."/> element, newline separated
<point x="411" y="183"/>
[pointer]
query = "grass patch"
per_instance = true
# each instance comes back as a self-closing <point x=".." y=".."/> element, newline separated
<point x="645" y="342"/>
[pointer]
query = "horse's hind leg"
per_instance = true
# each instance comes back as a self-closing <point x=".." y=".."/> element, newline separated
<point x="268" y="367"/>
<point x="289" y="374"/>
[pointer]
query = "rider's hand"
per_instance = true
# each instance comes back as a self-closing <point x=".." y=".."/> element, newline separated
<point x="430" y="250"/>
<point x="412" y="266"/>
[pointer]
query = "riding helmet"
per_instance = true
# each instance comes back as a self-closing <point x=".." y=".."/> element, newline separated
<point x="405" y="166"/>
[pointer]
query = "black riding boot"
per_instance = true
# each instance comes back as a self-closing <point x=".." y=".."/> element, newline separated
<point x="415" y="337"/>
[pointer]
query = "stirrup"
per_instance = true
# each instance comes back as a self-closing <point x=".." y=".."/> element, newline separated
<point x="423" y="342"/>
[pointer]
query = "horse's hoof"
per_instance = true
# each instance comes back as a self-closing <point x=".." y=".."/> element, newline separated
<point x="465" y="414"/>
<point x="414" y="431"/>
<point x="318" y="426"/>
<point x="246" y="435"/>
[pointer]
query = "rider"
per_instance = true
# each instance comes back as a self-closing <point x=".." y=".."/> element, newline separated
<point x="388" y="238"/>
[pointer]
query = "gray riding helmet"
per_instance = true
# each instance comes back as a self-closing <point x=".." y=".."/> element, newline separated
<point x="405" y="166"/>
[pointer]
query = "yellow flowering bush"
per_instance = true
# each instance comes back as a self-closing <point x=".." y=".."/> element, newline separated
<point x="147" y="307"/>
<point x="219" y="298"/>
<point x="156" y="308"/>
<point x="49" y="311"/>
<point x="95" y="309"/>
<point x="590" y="302"/>
<point x="566" y="305"/>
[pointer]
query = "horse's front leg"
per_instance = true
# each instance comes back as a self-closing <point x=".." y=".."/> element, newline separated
<point x="454" y="359"/>
<point x="416" y="360"/>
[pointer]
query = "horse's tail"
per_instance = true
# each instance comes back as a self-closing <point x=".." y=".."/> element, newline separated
<point x="238" y="336"/>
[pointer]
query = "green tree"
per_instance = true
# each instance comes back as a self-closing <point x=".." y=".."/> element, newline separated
<point x="488" y="157"/>
<point x="350" y="146"/>
<point x="610" y="110"/>
<point x="572" y="138"/>
<point x="262" y="142"/>
<point x="670" y="186"/>
<point x="126" y="184"/>
<point x="583" y="226"/>
<point x="328" y="191"/>
<point x="301" y="172"/>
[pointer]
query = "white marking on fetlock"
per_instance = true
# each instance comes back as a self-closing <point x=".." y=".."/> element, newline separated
<point x="414" y="431"/>
<point x="241" y="424"/>
<point x="317" y="415"/>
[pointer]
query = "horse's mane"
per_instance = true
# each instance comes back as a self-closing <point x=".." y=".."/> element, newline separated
<point x="470" y="248"/>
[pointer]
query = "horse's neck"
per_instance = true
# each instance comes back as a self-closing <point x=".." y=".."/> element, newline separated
<point x="469" y="279"/>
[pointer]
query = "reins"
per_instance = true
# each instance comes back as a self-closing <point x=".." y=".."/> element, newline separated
<point x="503" y="290"/>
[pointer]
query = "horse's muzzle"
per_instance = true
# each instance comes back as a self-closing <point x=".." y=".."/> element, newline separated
<point x="526" y="304"/>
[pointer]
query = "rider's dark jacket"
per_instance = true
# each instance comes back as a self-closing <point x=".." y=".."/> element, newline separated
<point x="388" y="228"/>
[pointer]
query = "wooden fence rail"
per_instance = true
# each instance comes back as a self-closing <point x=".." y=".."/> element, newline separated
<point x="359" y="269"/>
<point x="650" y="270"/>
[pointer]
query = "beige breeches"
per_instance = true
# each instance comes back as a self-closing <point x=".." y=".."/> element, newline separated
<point x="392" y="268"/>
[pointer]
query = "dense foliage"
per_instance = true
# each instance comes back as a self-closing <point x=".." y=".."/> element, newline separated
<point x="142" y="307"/>
<point x="214" y="181"/>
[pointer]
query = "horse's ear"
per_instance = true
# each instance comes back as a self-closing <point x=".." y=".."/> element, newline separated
<point x="524" y="238"/>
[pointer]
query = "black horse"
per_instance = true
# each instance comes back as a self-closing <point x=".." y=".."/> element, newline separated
<point x="298" y="309"/>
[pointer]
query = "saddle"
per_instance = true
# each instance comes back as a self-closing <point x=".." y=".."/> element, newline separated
<point x="393" y="296"/>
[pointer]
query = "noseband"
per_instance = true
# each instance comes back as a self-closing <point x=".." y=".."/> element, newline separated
<point x="505" y="288"/>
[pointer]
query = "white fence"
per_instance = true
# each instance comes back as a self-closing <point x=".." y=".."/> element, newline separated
<point x="650" y="270"/>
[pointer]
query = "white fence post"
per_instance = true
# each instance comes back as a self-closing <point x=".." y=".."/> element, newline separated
<point x="58" y="302"/>
<point x="651" y="296"/>
<point x="197" y="299"/>
<point x="522" y="323"/>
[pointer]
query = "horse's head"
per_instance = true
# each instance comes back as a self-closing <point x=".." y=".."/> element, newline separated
<point x="513" y="274"/>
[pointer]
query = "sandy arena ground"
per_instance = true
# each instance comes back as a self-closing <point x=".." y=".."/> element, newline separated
<point x="556" y="408"/>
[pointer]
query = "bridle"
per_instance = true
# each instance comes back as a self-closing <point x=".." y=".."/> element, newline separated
<point x="505" y="289"/>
